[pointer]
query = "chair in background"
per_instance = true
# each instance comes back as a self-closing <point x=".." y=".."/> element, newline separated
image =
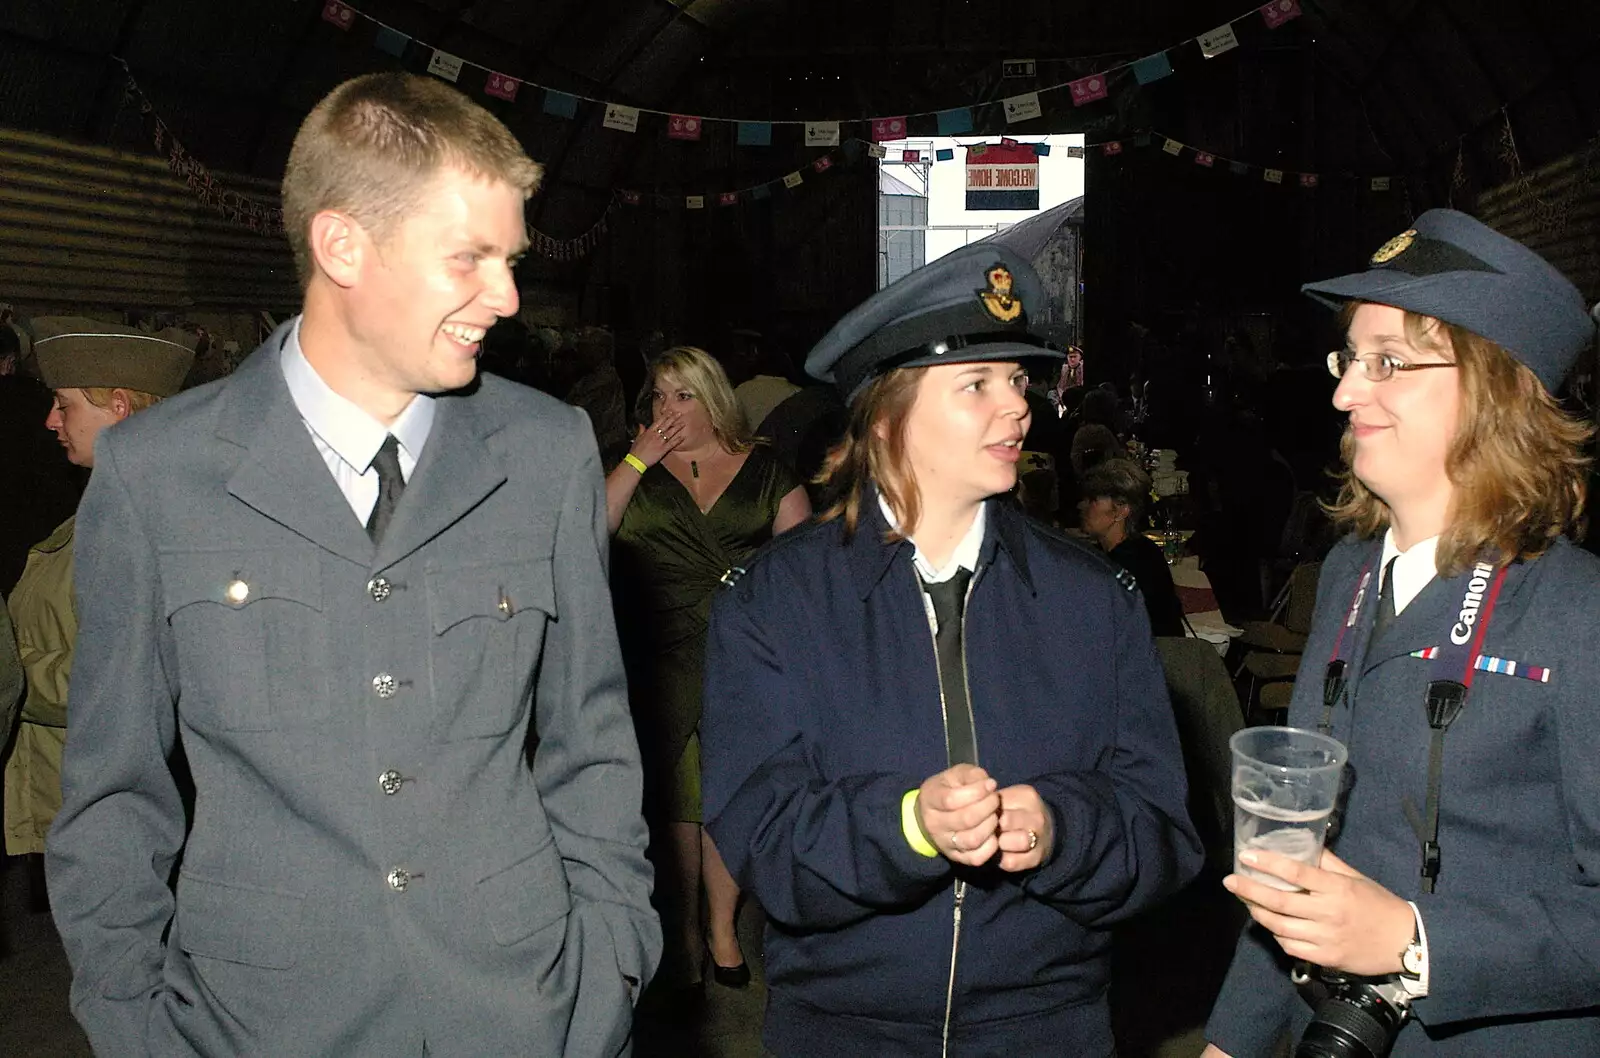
<point x="1269" y="651"/>
<point x="1206" y="708"/>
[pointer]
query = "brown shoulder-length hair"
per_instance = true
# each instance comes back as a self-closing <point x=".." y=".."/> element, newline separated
<point x="1517" y="462"/>
<point x="873" y="452"/>
<point x="699" y="373"/>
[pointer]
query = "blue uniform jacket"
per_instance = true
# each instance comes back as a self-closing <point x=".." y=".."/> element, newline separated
<point x="822" y="709"/>
<point x="1513" y="925"/>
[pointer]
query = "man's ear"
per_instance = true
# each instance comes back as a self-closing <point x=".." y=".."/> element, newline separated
<point x="339" y="245"/>
<point x="121" y="406"/>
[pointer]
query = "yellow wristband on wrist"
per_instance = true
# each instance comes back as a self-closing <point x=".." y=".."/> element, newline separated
<point x="635" y="462"/>
<point x="911" y="826"/>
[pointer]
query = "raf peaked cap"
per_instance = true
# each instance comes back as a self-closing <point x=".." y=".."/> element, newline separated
<point x="1457" y="269"/>
<point x="967" y="306"/>
<point x="82" y="354"/>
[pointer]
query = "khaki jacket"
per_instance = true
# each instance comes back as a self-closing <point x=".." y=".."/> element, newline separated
<point x="46" y="625"/>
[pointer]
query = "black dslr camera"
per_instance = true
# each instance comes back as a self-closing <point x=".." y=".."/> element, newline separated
<point x="1357" y="1017"/>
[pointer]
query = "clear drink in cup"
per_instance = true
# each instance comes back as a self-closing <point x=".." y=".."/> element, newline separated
<point x="1285" y="784"/>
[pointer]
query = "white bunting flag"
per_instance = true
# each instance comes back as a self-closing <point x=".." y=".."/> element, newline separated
<point x="793" y="180"/>
<point x="1024" y="107"/>
<point x="1172" y="147"/>
<point x="695" y="201"/>
<point x="1218" y="41"/>
<point x="621" y="118"/>
<point x="876" y="150"/>
<point x="445" y="65"/>
<point x="822" y="134"/>
<point x="1273" y="176"/>
<point x="1380" y="183"/>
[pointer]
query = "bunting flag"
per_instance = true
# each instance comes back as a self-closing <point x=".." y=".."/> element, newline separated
<point x="793" y="180"/>
<point x="630" y="197"/>
<point x="1308" y="179"/>
<point x="560" y="104"/>
<point x="911" y="157"/>
<point x="445" y="65"/>
<point x="728" y="198"/>
<point x="1152" y="68"/>
<point x="821" y="133"/>
<point x="822" y="164"/>
<point x="1238" y="168"/>
<point x="755" y="134"/>
<point x="957" y="122"/>
<point x="888" y="129"/>
<point x="1380" y="183"/>
<point x="341" y="15"/>
<point x="1043" y="149"/>
<point x="761" y="191"/>
<point x="1205" y="158"/>
<point x="1172" y="147"/>
<point x="1114" y="147"/>
<point x="1218" y="41"/>
<point x="621" y="118"/>
<point x="1002" y="176"/>
<point x="392" y="41"/>
<point x="1087" y="89"/>
<point x="695" y="201"/>
<point x="944" y="154"/>
<point x="1278" y="12"/>
<point x="1023" y="108"/>
<point x="502" y="87"/>
<point x="1273" y="176"/>
<point x="876" y="150"/>
<point x="680" y="127"/>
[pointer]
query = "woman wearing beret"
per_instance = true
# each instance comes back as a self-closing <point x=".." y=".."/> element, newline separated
<point x="693" y="497"/>
<point x="100" y="374"/>
<point x="1453" y="651"/>
<point x="938" y="746"/>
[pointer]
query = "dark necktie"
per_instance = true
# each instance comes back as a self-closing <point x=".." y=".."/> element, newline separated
<point x="949" y="599"/>
<point x="390" y="485"/>
<point x="1386" y="611"/>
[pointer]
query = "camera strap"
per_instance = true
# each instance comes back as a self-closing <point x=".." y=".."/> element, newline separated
<point x="1453" y="664"/>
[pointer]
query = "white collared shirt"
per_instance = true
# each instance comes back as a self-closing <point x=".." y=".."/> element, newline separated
<point x="1414" y="569"/>
<point x="965" y="556"/>
<point x="346" y="437"/>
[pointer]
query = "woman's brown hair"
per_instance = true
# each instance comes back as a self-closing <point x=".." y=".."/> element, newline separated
<point x="873" y="452"/>
<point x="1517" y="463"/>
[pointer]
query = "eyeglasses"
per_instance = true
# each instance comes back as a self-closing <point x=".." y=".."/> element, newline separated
<point x="1378" y="367"/>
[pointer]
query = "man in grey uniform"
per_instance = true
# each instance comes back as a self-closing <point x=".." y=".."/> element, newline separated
<point x="366" y="590"/>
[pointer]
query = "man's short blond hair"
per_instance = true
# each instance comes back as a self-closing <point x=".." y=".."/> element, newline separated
<point x="373" y="143"/>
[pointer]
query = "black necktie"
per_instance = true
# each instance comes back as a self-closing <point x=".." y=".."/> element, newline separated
<point x="949" y="598"/>
<point x="390" y="485"/>
<point x="1386" y="611"/>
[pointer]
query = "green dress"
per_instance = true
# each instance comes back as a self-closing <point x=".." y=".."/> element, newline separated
<point x="668" y="560"/>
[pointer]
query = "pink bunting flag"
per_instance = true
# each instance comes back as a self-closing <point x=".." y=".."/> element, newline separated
<point x="683" y="127"/>
<point x="502" y="87"/>
<point x="1114" y="147"/>
<point x="1088" y="89"/>
<point x="911" y="157"/>
<point x="1308" y="179"/>
<point x="822" y="164"/>
<point x="1205" y="158"/>
<point x="888" y="129"/>
<point x="728" y="198"/>
<point x="341" y="15"/>
<point x="1280" y="11"/>
<point x="630" y="197"/>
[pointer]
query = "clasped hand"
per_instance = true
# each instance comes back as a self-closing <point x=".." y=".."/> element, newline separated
<point x="1339" y="918"/>
<point x="969" y="818"/>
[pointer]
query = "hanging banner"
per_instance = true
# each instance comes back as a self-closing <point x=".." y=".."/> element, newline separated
<point x="1002" y="176"/>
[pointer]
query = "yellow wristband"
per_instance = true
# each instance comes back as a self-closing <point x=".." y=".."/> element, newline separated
<point x="635" y="462"/>
<point x="911" y="826"/>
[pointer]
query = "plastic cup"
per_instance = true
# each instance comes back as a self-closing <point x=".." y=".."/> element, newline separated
<point x="1285" y="784"/>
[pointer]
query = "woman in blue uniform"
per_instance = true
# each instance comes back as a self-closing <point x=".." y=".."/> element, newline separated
<point x="1453" y="650"/>
<point x="937" y="742"/>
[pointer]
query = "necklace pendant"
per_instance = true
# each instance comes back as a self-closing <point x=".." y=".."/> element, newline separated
<point x="694" y="467"/>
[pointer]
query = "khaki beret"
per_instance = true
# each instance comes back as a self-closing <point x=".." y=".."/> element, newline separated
<point x="76" y="353"/>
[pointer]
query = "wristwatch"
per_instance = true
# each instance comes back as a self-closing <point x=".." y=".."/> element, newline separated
<point x="1413" y="958"/>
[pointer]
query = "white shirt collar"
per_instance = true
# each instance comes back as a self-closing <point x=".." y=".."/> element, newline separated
<point x="353" y="435"/>
<point x="1413" y="568"/>
<point x="965" y="556"/>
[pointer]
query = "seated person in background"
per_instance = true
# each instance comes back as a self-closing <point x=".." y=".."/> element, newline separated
<point x="1115" y="494"/>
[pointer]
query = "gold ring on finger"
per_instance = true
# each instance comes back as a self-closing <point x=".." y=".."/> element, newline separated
<point x="1033" y="840"/>
<point x="954" y="844"/>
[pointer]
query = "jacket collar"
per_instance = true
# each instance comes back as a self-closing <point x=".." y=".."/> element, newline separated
<point x="282" y="475"/>
<point x="871" y="555"/>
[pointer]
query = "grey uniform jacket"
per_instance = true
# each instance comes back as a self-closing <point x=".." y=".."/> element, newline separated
<point x="374" y="867"/>
<point x="1513" y="927"/>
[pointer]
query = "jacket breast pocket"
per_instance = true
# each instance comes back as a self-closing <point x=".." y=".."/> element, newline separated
<point x="251" y="638"/>
<point x="488" y="620"/>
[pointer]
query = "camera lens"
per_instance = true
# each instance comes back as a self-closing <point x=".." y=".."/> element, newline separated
<point x="1355" y="1024"/>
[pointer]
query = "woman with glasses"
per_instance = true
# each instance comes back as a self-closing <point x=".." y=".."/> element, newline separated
<point x="1454" y="652"/>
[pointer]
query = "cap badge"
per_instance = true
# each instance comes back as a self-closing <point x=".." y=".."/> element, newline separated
<point x="1394" y="247"/>
<point x="998" y="300"/>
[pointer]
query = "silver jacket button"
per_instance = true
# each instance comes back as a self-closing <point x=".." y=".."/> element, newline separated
<point x="390" y="782"/>
<point x="238" y="592"/>
<point x="385" y="685"/>
<point x="379" y="588"/>
<point x="399" y="878"/>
